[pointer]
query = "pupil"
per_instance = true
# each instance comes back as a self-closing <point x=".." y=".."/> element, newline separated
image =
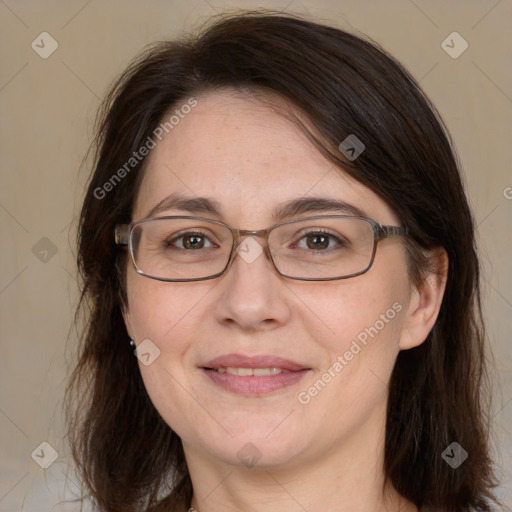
<point x="193" y="241"/>
<point x="316" y="238"/>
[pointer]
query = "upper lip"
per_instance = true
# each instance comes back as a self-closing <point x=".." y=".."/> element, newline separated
<point x="263" y="361"/>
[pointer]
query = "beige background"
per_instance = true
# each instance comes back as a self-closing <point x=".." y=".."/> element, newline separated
<point x="47" y="109"/>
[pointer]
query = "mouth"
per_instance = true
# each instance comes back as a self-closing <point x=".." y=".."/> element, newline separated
<point x="253" y="376"/>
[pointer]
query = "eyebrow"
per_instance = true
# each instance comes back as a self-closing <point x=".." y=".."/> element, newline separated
<point x="292" y="208"/>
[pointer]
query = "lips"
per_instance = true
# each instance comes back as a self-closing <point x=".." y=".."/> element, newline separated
<point x="253" y="375"/>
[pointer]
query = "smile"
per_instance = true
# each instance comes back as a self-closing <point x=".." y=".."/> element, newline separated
<point x="253" y="376"/>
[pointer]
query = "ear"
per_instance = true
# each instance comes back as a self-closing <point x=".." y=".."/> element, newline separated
<point x="425" y="301"/>
<point x="127" y="320"/>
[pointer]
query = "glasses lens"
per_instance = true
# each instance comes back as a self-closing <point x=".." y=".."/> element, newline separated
<point x="323" y="248"/>
<point x="180" y="248"/>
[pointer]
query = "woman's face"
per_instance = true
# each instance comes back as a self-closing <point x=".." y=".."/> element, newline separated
<point x="343" y="336"/>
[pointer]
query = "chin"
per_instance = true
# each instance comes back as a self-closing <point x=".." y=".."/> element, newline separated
<point x="257" y="445"/>
<point x="260" y="454"/>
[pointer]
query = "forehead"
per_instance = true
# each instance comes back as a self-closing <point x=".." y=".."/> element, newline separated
<point x="249" y="157"/>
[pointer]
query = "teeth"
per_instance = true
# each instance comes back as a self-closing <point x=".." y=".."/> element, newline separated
<point x="262" y="371"/>
<point x="246" y="372"/>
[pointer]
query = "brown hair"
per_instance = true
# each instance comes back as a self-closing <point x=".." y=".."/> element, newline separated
<point x="343" y="85"/>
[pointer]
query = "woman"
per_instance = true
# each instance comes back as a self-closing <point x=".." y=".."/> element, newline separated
<point x="277" y="229"/>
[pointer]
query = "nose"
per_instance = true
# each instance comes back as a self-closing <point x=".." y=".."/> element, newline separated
<point x="253" y="295"/>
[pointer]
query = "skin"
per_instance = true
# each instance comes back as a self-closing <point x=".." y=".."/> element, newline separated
<point x="324" y="455"/>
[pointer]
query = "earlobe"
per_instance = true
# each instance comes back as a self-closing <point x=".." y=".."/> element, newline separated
<point x="425" y="301"/>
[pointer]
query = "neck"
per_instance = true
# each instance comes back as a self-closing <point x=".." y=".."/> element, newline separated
<point x="389" y="501"/>
<point x="347" y="478"/>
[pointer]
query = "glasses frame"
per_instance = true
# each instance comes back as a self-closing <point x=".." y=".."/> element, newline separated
<point x="123" y="237"/>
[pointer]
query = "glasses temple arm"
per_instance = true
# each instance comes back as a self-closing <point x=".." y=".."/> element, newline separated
<point x="391" y="231"/>
<point x="122" y="234"/>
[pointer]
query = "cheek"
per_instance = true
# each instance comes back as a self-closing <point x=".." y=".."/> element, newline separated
<point x="163" y="319"/>
<point x="361" y="324"/>
<point x="362" y="309"/>
<point x="360" y="339"/>
<point x="159" y="310"/>
<point x="169" y="316"/>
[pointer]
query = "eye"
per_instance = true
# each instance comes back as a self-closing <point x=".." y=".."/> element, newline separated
<point x="188" y="240"/>
<point x="320" y="240"/>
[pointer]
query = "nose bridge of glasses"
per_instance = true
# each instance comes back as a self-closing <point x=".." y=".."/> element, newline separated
<point x="240" y="233"/>
<point x="245" y="232"/>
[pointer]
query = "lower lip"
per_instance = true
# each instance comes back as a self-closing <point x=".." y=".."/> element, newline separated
<point x="254" y="385"/>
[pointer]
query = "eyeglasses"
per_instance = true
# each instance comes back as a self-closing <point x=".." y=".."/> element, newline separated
<point x="322" y="248"/>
